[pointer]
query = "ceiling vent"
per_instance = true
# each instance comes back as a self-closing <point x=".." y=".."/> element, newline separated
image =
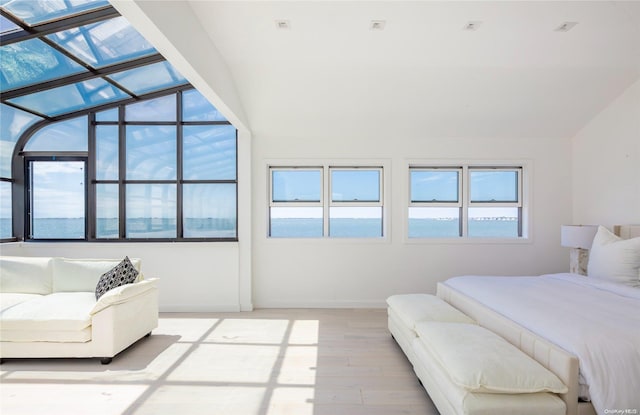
<point x="566" y="26"/>
<point x="283" y="24"/>
<point x="377" y="24"/>
<point x="472" y="25"/>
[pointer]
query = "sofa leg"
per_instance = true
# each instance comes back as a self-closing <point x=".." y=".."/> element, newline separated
<point x="106" y="360"/>
<point x="148" y="334"/>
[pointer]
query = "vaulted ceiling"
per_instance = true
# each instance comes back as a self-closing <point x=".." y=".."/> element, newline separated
<point x="515" y="75"/>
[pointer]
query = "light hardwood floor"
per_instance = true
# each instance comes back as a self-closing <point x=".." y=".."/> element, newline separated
<point x="266" y="362"/>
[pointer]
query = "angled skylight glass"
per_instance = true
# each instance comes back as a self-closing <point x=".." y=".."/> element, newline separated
<point x="104" y="43"/>
<point x="7" y="26"/>
<point x="40" y="11"/>
<point x="149" y="78"/>
<point x="32" y="61"/>
<point x="13" y="123"/>
<point x="70" y="98"/>
<point x="72" y="69"/>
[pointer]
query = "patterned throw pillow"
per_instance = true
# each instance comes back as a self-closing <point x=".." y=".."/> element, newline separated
<point x="121" y="274"/>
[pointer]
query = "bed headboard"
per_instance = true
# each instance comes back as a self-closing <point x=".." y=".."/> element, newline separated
<point x="627" y="231"/>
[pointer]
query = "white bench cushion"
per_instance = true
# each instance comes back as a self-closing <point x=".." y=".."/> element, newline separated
<point x="479" y="360"/>
<point x="413" y="308"/>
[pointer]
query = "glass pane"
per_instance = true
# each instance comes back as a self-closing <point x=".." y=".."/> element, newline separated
<point x="107" y="213"/>
<point x="355" y="185"/>
<point x="151" y="211"/>
<point x="5" y="210"/>
<point x="209" y="152"/>
<point x="107" y="160"/>
<point x="7" y="25"/>
<point x="149" y="78"/>
<point x="108" y="115"/>
<point x="195" y="107"/>
<point x="34" y="12"/>
<point x="104" y="43"/>
<point x="434" y="186"/>
<point x="355" y="222"/>
<point x="493" y="222"/>
<point x="434" y="222"/>
<point x="151" y="152"/>
<point x="296" y="185"/>
<point x="494" y="186"/>
<point x="13" y="123"/>
<point x="295" y="222"/>
<point x="58" y="200"/>
<point x="70" y="98"/>
<point x="209" y="210"/>
<point x="159" y="109"/>
<point x="70" y="135"/>
<point x="33" y="61"/>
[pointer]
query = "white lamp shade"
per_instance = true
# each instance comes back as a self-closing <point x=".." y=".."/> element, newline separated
<point x="578" y="236"/>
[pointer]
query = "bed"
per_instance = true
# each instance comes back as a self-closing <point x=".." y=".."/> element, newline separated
<point x="584" y="329"/>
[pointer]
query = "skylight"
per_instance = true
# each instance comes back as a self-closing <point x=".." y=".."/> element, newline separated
<point x="62" y="58"/>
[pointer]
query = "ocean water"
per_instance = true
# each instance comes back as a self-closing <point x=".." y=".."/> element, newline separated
<point x="60" y="228"/>
<point x="74" y="228"/>
<point x="418" y="228"/>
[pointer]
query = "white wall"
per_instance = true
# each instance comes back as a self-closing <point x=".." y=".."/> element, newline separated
<point x="606" y="164"/>
<point x="199" y="276"/>
<point x="335" y="273"/>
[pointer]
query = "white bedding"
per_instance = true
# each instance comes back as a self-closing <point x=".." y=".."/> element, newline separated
<point x="596" y="320"/>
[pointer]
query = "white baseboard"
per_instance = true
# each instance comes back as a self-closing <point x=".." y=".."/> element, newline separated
<point x="199" y="308"/>
<point x="320" y="304"/>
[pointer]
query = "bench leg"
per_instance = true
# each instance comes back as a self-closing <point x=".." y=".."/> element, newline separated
<point x="106" y="360"/>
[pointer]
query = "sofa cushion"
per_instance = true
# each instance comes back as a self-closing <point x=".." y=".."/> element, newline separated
<point x="25" y="275"/>
<point x="8" y="300"/>
<point x="479" y="360"/>
<point x="412" y="308"/>
<point x="122" y="274"/>
<point x="53" y="312"/>
<point x="71" y="275"/>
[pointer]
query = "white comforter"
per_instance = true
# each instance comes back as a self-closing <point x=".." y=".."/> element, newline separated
<point x="597" y="321"/>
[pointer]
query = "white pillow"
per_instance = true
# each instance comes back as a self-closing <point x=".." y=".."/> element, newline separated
<point x="479" y="360"/>
<point x="614" y="259"/>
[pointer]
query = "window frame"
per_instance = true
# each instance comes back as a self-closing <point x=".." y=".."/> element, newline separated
<point x="521" y="167"/>
<point x="31" y="157"/>
<point x="327" y="201"/>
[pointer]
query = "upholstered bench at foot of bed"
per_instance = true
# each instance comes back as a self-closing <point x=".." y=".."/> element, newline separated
<point x="426" y="328"/>
<point x="405" y="310"/>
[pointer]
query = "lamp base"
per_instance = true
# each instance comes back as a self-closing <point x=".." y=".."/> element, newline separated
<point x="578" y="260"/>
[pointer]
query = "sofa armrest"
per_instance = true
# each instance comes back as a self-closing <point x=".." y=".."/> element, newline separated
<point x="123" y="293"/>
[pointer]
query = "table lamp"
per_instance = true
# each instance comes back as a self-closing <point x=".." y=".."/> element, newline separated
<point x="579" y="238"/>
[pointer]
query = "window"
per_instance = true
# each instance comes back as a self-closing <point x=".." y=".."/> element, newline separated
<point x="57" y="198"/>
<point x="465" y="201"/>
<point x="136" y="172"/>
<point x="5" y="210"/>
<point x="161" y="177"/>
<point x="339" y="202"/>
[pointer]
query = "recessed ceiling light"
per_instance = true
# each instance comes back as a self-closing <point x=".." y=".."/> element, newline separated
<point x="283" y="24"/>
<point x="566" y="26"/>
<point x="472" y="25"/>
<point x="377" y="24"/>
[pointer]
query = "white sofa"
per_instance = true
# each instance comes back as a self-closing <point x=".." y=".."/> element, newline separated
<point x="465" y="368"/>
<point x="48" y="309"/>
